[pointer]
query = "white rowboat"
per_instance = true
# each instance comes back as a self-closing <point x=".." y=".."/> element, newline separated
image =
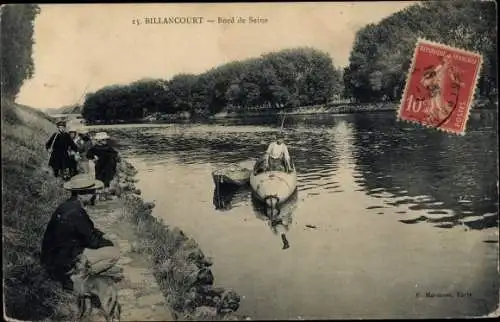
<point x="273" y="184"/>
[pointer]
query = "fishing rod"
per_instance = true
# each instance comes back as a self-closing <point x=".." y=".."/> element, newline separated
<point x="283" y="121"/>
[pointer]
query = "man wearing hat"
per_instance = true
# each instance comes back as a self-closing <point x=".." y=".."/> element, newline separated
<point x="71" y="238"/>
<point x="59" y="145"/>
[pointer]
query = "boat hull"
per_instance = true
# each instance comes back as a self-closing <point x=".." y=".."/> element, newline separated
<point x="274" y="183"/>
<point x="232" y="176"/>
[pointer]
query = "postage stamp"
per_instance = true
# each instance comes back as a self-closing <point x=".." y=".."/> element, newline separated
<point x="440" y="87"/>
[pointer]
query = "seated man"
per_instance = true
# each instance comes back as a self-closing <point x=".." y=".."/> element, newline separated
<point x="71" y="238"/>
<point x="277" y="157"/>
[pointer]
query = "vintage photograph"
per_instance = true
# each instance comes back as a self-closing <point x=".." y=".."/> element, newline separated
<point x="250" y="161"/>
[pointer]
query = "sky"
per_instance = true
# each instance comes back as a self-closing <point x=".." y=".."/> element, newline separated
<point x="80" y="48"/>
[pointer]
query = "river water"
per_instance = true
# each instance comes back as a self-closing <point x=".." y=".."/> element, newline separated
<point x="387" y="214"/>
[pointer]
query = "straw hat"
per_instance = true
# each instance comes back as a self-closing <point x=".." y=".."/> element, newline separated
<point x="83" y="182"/>
<point x="101" y="136"/>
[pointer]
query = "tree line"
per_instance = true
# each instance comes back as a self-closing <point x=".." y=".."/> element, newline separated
<point x="17" y="29"/>
<point x="285" y="79"/>
<point x="382" y="53"/>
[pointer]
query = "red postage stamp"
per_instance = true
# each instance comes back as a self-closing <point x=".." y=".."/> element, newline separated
<point x="440" y="87"/>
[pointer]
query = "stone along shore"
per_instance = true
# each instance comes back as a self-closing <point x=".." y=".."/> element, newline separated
<point x="179" y="268"/>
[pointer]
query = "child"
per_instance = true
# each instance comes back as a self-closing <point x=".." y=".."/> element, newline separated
<point x="106" y="160"/>
<point x="74" y="156"/>
<point x="84" y="144"/>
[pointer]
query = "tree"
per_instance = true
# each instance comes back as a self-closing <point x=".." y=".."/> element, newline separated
<point x="288" y="78"/>
<point x="17" y="26"/>
<point x="381" y="55"/>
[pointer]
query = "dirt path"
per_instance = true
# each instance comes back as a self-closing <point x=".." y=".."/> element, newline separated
<point x="139" y="294"/>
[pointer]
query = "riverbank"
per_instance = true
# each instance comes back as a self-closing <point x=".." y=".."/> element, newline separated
<point x="349" y="108"/>
<point x="344" y="108"/>
<point x="139" y="294"/>
<point x="181" y="269"/>
<point x="178" y="278"/>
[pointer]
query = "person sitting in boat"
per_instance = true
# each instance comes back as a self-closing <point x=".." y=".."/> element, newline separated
<point x="277" y="157"/>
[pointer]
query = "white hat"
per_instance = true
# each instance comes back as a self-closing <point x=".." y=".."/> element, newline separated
<point x="101" y="136"/>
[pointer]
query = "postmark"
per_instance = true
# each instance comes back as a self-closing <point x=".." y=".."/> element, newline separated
<point x="440" y="87"/>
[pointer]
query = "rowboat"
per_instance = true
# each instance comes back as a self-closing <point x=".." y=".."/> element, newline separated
<point x="278" y="185"/>
<point x="233" y="175"/>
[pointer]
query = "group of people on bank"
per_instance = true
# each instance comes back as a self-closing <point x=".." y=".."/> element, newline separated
<point x="72" y="150"/>
<point x="72" y="246"/>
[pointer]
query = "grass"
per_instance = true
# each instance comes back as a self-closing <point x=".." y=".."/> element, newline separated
<point x="29" y="196"/>
<point x="176" y="262"/>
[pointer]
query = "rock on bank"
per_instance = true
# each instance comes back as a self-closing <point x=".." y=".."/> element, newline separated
<point x="179" y="265"/>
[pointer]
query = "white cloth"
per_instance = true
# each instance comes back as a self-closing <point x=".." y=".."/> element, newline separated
<point x="278" y="151"/>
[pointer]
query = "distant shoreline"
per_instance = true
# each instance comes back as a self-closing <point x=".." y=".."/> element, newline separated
<point x="333" y="109"/>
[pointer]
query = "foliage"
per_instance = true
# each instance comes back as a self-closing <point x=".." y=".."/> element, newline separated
<point x="382" y="52"/>
<point x="289" y="78"/>
<point x="69" y="109"/>
<point x="16" y="46"/>
<point x="29" y="195"/>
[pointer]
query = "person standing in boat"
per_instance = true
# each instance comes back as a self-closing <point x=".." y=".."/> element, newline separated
<point x="59" y="145"/>
<point x="277" y="157"/>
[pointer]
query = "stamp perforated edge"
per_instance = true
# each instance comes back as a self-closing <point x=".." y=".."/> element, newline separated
<point x="469" y="100"/>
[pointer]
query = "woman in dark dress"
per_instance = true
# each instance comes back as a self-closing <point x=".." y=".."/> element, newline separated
<point x="59" y="145"/>
<point x="106" y="162"/>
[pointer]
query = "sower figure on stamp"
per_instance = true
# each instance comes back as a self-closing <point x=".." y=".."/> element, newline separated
<point x="434" y="80"/>
<point x="71" y="241"/>
<point x="59" y="145"/>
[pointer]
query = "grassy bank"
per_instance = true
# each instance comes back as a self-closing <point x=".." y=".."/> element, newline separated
<point x="179" y="265"/>
<point x="29" y="196"/>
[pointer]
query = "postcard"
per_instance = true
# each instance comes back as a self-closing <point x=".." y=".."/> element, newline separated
<point x="250" y="161"/>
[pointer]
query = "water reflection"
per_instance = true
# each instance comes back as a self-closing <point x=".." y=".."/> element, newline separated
<point x="225" y="196"/>
<point x="278" y="220"/>
<point x="451" y="177"/>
